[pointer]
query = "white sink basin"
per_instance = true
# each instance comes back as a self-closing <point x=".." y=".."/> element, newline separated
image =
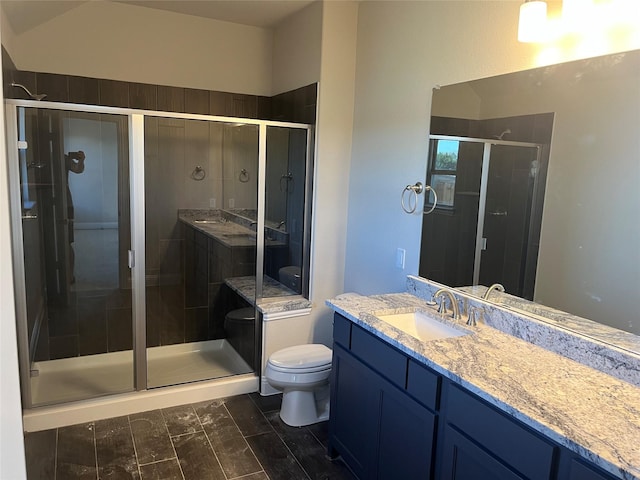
<point x="422" y="326"/>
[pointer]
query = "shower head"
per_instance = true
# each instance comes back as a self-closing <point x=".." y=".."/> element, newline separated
<point x="499" y="137"/>
<point x="32" y="95"/>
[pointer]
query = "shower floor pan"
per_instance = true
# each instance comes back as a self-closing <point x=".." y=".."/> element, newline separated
<point x="80" y="378"/>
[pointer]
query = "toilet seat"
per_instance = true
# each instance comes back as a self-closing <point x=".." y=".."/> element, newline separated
<point x="302" y="358"/>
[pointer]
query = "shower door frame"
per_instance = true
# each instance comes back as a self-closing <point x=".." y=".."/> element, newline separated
<point x="484" y="178"/>
<point x="137" y="254"/>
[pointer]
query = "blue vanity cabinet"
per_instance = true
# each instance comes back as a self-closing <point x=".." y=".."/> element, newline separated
<point x="394" y="418"/>
<point x="376" y="425"/>
<point x="477" y="437"/>
<point x="573" y="467"/>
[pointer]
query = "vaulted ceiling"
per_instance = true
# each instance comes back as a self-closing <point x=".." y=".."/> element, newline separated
<point x="24" y="15"/>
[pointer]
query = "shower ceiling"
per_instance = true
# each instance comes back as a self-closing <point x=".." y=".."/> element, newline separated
<point x="25" y="15"/>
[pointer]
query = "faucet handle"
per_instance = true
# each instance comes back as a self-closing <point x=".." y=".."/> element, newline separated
<point x="442" y="303"/>
<point x="474" y="312"/>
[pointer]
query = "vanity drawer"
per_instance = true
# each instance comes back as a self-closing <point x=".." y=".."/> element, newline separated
<point x="341" y="330"/>
<point x="507" y="440"/>
<point x="379" y="356"/>
<point x="423" y="384"/>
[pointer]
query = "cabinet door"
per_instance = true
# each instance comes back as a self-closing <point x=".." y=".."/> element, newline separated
<point x="579" y="470"/>
<point x="405" y="436"/>
<point x="506" y="439"/>
<point x="462" y="459"/>
<point x="353" y="423"/>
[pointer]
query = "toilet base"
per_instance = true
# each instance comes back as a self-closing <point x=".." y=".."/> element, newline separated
<point x="304" y="407"/>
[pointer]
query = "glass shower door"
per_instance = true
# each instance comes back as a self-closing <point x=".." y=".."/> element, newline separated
<point x="286" y="211"/>
<point x="201" y="181"/>
<point x="74" y="288"/>
<point x="509" y="253"/>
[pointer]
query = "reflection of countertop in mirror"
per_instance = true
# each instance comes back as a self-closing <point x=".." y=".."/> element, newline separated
<point x="277" y="297"/>
<point x="215" y="224"/>
<point x="591" y="413"/>
<point x="597" y="331"/>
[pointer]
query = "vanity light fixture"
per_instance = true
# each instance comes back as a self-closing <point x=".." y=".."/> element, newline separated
<point x="533" y="21"/>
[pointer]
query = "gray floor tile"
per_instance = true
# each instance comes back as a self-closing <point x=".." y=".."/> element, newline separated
<point x="40" y="452"/>
<point x="114" y="449"/>
<point x="151" y="437"/>
<point x="247" y="416"/>
<point x="181" y="420"/>
<point x="256" y="476"/>
<point x="247" y="445"/>
<point x="321" y="432"/>
<point x="230" y="446"/>
<point x="164" y="470"/>
<point x="276" y="459"/>
<point x="309" y="451"/>
<point x="269" y="403"/>
<point x="76" y="453"/>
<point x="196" y="458"/>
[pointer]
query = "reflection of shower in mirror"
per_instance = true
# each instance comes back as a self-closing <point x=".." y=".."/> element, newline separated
<point x="501" y="136"/>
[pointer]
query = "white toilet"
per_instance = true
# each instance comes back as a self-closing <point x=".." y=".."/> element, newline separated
<point x="302" y="373"/>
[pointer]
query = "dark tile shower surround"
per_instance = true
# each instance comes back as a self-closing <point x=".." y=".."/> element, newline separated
<point x="238" y="437"/>
<point x="294" y="106"/>
<point x="94" y="322"/>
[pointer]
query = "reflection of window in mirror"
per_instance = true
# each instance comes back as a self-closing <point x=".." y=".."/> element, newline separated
<point x="442" y="171"/>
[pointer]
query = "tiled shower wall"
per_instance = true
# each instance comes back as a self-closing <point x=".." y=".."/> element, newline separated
<point x="99" y="322"/>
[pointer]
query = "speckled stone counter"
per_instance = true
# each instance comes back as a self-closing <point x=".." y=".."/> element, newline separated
<point x="606" y="349"/>
<point x="278" y="298"/>
<point x="236" y="229"/>
<point x="594" y="330"/>
<point x="589" y="412"/>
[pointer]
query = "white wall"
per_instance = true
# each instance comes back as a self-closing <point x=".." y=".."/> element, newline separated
<point x="12" y="463"/>
<point x="296" y="50"/>
<point x="333" y="155"/>
<point x="138" y="44"/>
<point x="404" y="50"/>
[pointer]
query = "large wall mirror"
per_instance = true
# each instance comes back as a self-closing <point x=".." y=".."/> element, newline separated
<point x="566" y="186"/>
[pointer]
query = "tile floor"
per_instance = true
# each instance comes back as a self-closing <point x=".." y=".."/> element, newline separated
<point x="238" y="437"/>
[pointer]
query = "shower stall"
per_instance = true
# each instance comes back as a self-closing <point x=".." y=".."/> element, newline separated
<point x="485" y="228"/>
<point x="137" y="233"/>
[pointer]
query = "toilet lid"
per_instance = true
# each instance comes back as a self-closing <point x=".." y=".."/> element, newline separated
<point x="246" y="314"/>
<point x="302" y="356"/>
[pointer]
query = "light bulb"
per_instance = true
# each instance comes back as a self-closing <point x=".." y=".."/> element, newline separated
<point x="532" y="22"/>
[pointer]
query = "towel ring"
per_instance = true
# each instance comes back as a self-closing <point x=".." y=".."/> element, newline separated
<point x="416" y="190"/>
<point x="287" y="179"/>
<point x="198" y="173"/>
<point x="244" y="176"/>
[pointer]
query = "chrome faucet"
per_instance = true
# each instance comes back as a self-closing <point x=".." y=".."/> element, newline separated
<point x="454" y="303"/>
<point x="282" y="224"/>
<point x="495" y="286"/>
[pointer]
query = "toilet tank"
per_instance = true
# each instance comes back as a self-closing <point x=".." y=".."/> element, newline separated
<point x="281" y="331"/>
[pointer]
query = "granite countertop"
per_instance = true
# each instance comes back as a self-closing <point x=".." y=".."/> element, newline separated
<point x="597" y="331"/>
<point x="231" y="233"/>
<point x="591" y="413"/>
<point x="278" y="298"/>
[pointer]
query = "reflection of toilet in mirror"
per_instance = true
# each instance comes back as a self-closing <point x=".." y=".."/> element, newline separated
<point x="290" y="277"/>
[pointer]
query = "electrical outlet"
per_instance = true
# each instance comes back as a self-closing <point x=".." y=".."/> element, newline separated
<point x="232" y="203"/>
<point x="212" y="203"/>
<point x="400" y="254"/>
